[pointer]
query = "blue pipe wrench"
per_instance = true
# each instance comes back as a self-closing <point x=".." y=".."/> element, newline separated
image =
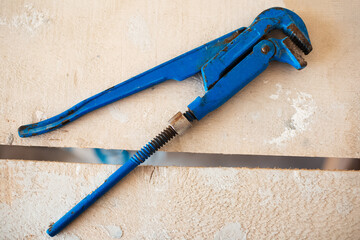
<point x="229" y="54"/>
<point x="227" y="64"/>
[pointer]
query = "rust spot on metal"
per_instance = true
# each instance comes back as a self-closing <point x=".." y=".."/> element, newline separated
<point x="65" y="122"/>
<point x="67" y="114"/>
<point x="204" y="77"/>
<point x="248" y="29"/>
<point x="51" y="226"/>
<point x="52" y="128"/>
<point x="21" y="128"/>
<point x="265" y="49"/>
<point x="72" y="212"/>
<point x="299" y="39"/>
<point x="295" y="51"/>
<point x="232" y="37"/>
<point x="212" y="85"/>
<point x="225" y="49"/>
<point x="34" y="134"/>
<point x="175" y="118"/>
<point x="267" y="28"/>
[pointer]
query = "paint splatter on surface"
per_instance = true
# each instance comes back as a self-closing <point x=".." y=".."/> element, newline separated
<point x="30" y="19"/>
<point x="40" y="116"/>
<point x="268" y="198"/>
<point x="77" y="169"/>
<point x="308" y="187"/>
<point x="138" y="32"/>
<point x="305" y="107"/>
<point x="344" y="207"/>
<point x="231" y="231"/>
<point x="278" y="92"/>
<point x="117" y="114"/>
<point x="223" y="181"/>
<point x="10" y="139"/>
<point x="114" y="231"/>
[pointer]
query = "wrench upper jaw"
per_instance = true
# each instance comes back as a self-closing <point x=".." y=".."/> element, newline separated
<point x="290" y="23"/>
<point x="299" y="38"/>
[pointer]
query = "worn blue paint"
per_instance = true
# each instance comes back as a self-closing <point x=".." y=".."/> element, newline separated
<point x="212" y="59"/>
<point x="239" y="76"/>
<point x="179" y="68"/>
<point x="242" y="73"/>
<point x="92" y="197"/>
<point x="227" y="65"/>
<point x="268" y="20"/>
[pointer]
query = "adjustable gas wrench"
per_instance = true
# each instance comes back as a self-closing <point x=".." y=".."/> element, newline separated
<point x="227" y="64"/>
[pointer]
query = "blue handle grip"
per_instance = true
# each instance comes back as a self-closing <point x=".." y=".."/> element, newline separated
<point x="91" y="198"/>
<point x="179" y="68"/>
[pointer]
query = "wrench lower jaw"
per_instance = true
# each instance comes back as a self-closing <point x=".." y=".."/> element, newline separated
<point x="296" y="52"/>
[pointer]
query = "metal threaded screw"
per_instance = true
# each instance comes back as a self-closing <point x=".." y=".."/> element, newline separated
<point x="178" y="124"/>
<point x="154" y="145"/>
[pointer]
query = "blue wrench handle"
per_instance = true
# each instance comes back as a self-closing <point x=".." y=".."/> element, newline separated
<point x="179" y="68"/>
<point x="92" y="197"/>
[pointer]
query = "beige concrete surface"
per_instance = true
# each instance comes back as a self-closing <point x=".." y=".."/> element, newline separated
<point x="54" y="54"/>
<point x="180" y="203"/>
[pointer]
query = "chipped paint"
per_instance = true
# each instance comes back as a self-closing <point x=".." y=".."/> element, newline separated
<point x="231" y="231"/>
<point x="114" y="231"/>
<point x="344" y="207"/>
<point x="117" y="114"/>
<point x="219" y="181"/>
<point x="307" y="186"/>
<point x="278" y="92"/>
<point x="30" y="19"/>
<point x="10" y="139"/>
<point x="305" y="108"/>
<point x="269" y="198"/>
<point x="40" y="116"/>
<point x="138" y="32"/>
<point x="77" y="169"/>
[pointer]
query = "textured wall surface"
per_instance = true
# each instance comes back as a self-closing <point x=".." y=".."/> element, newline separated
<point x="180" y="203"/>
<point x="54" y="54"/>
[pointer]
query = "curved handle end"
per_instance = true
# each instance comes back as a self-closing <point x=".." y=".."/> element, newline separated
<point x="24" y="131"/>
